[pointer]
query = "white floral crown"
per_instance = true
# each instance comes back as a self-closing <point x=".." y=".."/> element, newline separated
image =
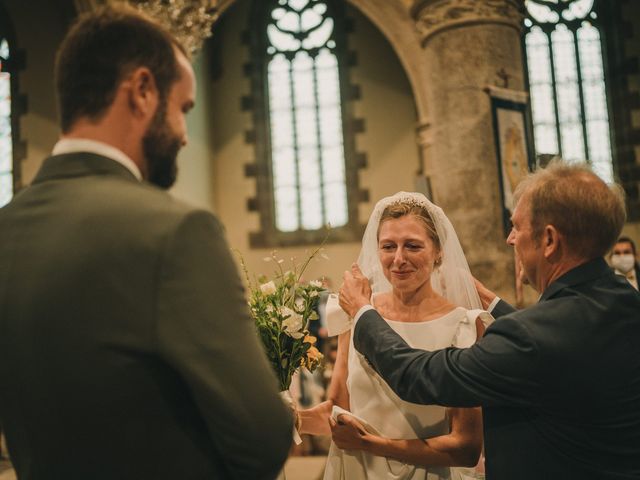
<point x="418" y="200"/>
<point x="410" y="202"/>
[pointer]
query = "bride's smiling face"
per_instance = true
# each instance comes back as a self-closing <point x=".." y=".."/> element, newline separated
<point x="406" y="252"/>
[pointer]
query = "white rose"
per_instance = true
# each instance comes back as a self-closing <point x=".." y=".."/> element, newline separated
<point x="268" y="288"/>
<point x="316" y="283"/>
<point x="295" y="335"/>
<point x="285" y="311"/>
<point x="292" y="324"/>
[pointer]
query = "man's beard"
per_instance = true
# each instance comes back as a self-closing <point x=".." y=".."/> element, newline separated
<point x="161" y="146"/>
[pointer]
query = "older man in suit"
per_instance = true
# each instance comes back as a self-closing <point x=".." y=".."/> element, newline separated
<point x="126" y="348"/>
<point x="559" y="381"/>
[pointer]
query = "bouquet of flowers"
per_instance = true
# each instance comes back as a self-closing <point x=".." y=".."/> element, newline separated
<point x="282" y="309"/>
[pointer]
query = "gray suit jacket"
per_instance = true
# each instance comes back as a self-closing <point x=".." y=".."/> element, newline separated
<point x="126" y="348"/>
<point x="559" y="381"/>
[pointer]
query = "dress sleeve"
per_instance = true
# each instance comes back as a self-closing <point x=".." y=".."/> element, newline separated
<point x="337" y="320"/>
<point x="466" y="335"/>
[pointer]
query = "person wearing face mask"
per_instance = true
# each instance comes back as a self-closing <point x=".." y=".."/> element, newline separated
<point x="624" y="262"/>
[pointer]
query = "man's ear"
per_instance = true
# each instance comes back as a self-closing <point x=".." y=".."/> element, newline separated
<point x="143" y="93"/>
<point x="551" y="242"/>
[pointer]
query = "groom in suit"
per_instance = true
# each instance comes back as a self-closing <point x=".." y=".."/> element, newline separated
<point x="559" y="382"/>
<point x="126" y="347"/>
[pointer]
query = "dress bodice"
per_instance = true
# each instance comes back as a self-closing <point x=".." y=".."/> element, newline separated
<point x="373" y="400"/>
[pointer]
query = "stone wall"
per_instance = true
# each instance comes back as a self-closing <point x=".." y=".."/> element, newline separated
<point x="385" y="102"/>
<point x="467" y="49"/>
<point x="621" y="23"/>
<point x="37" y="38"/>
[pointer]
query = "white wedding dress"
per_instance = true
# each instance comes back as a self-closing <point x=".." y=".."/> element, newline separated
<point x="372" y="400"/>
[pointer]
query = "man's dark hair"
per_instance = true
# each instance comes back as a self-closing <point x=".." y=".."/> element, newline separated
<point x="100" y="50"/>
<point x="629" y="241"/>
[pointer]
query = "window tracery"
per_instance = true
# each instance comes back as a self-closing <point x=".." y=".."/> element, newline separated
<point x="567" y="82"/>
<point x="6" y="138"/>
<point x="306" y="164"/>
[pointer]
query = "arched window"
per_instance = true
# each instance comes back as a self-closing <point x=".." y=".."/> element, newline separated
<point x="567" y="82"/>
<point x="298" y="49"/>
<point x="6" y="139"/>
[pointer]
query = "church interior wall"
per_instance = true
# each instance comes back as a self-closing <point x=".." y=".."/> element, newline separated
<point x="212" y="165"/>
<point x="390" y="146"/>
<point x="461" y="158"/>
<point x="195" y="180"/>
<point x="621" y="22"/>
<point x="37" y="36"/>
<point x="631" y="47"/>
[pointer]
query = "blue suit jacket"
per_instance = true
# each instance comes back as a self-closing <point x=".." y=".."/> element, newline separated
<point x="559" y="381"/>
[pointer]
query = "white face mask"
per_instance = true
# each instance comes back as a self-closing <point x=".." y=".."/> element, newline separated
<point x="623" y="263"/>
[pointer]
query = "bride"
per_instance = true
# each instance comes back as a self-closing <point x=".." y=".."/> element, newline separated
<point x="423" y="288"/>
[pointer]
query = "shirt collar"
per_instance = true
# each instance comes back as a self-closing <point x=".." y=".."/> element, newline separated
<point x="631" y="274"/>
<point x="73" y="145"/>
<point x="585" y="272"/>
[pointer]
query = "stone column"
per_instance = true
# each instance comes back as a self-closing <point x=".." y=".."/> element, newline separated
<point x="468" y="45"/>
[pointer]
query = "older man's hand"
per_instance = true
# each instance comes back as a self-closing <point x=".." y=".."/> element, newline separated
<point x="486" y="295"/>
<point x="355" y="291"/>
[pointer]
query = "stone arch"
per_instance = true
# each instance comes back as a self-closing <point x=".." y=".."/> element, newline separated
<point x="392" y="18"/>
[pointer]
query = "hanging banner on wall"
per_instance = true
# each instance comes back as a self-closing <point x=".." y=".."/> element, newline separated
<point x="514" y="152"/>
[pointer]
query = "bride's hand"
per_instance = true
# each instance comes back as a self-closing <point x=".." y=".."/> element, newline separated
<point x="348" y="434"/>
<point x="355" y="291"/>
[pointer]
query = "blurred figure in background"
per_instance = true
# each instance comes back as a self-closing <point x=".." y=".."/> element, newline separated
<point x="624" y="260"/>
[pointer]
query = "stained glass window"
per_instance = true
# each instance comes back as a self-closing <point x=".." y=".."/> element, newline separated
<point x="567" y="84"/>
<point x="6" y="149"/>
<point x="305" y="117"/>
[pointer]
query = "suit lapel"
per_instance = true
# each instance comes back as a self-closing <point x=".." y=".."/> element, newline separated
<point x="581" y="274"/>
